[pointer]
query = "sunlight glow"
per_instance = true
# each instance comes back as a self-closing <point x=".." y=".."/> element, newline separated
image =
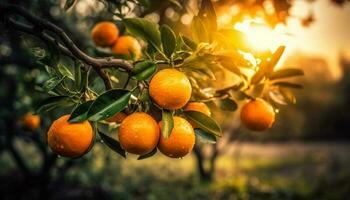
<point x="261" y="37"/>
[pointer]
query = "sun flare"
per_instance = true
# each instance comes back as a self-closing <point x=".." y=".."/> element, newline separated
<point x="261" y="37"/>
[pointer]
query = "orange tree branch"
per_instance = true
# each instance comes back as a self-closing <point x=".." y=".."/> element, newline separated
<point x="66" y="46"/>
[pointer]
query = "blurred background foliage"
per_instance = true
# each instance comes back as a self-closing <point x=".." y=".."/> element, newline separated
<point x="293" y="160"/>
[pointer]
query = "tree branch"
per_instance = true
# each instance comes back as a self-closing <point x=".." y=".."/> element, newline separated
<point x="66" y="46"/>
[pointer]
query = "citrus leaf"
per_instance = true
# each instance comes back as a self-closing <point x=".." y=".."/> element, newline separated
<point x="52" y="83"/>
<point x="288" y="85"/>
<point x="257" y="90"/>
<point x="199" y="33"/>
<point x="143" y="70"/>
<point x="144" y="29"/>
<point x="286" y="73"/>
<point x="232" y="38"/>
<point x="208" y="16"/>
<point x="50" y="103"/>
<point x="205" y="122"/>
<point x="227" y="104"/>
<point x="189" y="43"/>
<point x="168" y="40"/>
<point x="68" y="4"/>
<point x="77" y="74"/>
<point x="177" y="3"/>
<point x="112" y="144"/>
<point x="204" y="136"/>
<point x="276" y="56"/>
<point x="154" y="151"/>
<point x="80" y="112"/>
<point x="167" y="123"/>
<point x="288" y="95"/>
<point x="64" y="71"/>
<point x="108" y="104"/>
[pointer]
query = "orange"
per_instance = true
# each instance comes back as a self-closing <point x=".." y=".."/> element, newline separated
<point x="127" y="46"/>
<point x="199" y="107"/>
<point x="118" y="118"/>
<point x="105" y="34"/>
<point x="170" y="89"/>
<point x="257" y="115"/>
<point x="138" y="133"/>
<point x="181" y="140"/>
<point x="31" y="121"/>
<point x="69" y="139"/>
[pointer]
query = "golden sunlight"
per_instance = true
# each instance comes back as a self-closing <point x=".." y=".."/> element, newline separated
<point x="261" y="37"/>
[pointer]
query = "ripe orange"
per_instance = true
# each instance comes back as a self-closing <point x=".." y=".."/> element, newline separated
<point x="199" y="107"/>
<point x="31" y="121"/>
<point x="119" y="117"/>
<point x="69" y="139"/>
<point x="257" y="115"/>
<point x="127" y="46"/>
<point x="181" y="140"/>
<point x="170" y="89"/>
<point x="138" y="133"/>
<point x="105" y="34"/>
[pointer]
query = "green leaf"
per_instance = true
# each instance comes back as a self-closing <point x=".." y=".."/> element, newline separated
<point x="286" y="73"/>
<point x="232" y="38"/>
<point x="168" y="40"/>
<point x="208" y="16"/>
<point x="167" y="123"/>
<point x="144" y="29"/>
<point x="204" y="136"/>
<point x="260" y="74"/>
<point x="205" y="122"/>
<point x="112" y="144"/>
<point x="288" y="85"/>
<point x="177" y="3"/>
<point x="68" y="4"/>
<point x="189" y="43"/>
<point x="288" y="95"/>
<point x="52" y="83"/>
<point x="199" y="32"/>
<point x="65" y="71"/>
<point x="50" y="103"/>
<point x="257" y="90"/>
<point x="77" y="74"/>
<point x="150" y="154"/>
<point x="80" y="112"/>
<point x="108" y="104"/>
<point x="275" y="58"/>
<point x="227" y="104"/>
<point x="143" y="70"/>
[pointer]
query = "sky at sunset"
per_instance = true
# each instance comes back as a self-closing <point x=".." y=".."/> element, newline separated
<point x="326" y="37"/>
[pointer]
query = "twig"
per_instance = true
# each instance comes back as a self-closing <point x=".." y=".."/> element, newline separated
<point x="66" y="46"/>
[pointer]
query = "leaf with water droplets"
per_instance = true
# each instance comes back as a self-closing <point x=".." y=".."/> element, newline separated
<point x="80" y="112"/>
<point x="112" y="144"/>
<point x="108" y="104"/>
<point x="150" y="154"/>
<point x="204" y="136"/>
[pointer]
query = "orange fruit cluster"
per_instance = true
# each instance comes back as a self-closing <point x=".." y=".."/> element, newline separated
<point x="106" y="34"/>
